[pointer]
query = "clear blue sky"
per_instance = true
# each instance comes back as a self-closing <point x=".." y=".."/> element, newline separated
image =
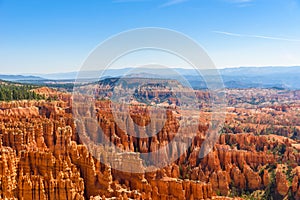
<point x="46" y="36"/>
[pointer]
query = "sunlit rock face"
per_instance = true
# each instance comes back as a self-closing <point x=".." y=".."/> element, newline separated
<point x="42" y="155"/>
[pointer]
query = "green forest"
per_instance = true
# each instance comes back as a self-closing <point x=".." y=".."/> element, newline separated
<point x="10" y="91"/>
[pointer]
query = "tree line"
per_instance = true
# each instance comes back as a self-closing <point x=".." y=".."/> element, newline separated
<point x="9" y="92"/>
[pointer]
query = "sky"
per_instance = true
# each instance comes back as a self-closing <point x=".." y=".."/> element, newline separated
<point x="53" y="36"/>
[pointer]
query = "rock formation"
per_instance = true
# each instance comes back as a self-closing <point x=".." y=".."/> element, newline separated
<point x="43" y="156"/>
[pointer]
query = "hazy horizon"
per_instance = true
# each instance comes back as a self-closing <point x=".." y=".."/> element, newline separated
<point x="65" y="72"/>
<point x="76" y="71"/>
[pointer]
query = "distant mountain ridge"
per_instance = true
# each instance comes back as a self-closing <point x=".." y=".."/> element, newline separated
<point x="242" y="77"/>
<point x="19" y="77"/>
<point x="248" y="71"/>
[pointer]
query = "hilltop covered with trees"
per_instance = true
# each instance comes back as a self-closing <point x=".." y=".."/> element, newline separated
<point x="11" y="91"/>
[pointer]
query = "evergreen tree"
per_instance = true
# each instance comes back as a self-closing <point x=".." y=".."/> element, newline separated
<point x="10" y="91"/>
